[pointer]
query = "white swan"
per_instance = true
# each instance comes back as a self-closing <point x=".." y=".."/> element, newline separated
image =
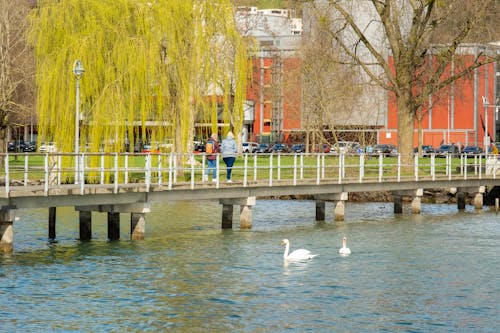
<point x="299" y="254"/>
<point x="344" y="249"/>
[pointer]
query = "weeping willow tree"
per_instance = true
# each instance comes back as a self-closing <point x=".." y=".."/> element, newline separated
<point x="152" y="69"/>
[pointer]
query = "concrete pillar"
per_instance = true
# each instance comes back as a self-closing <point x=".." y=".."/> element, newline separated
<point x="113" y="226"/>
<point x="478" y="201"/>
<point x="398" y="204"/>
<point x="339" y="211"/>
<point x="416" y="204"/>
<point x="461" y="200"/>
<point x="52" y="222"/>
<point x="227" y="216"/>
<point x="478" y="197"/>
<point x="320" y="210"/>
<point x="246" y="212"/>
<point x="7" y="215"/>
<point x="85" y="225"/>
<point x="245" y="217"/>
<point x="137" y="226"/>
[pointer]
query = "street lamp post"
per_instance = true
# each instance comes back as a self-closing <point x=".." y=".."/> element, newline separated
<point x="78" y="70"/>
<point x="486" y="141"/>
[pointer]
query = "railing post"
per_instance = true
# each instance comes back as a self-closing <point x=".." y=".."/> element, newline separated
<point x="170" y="161"/>
<point x="174" y="166"/>
<point x="102" y="169"/>
<point x="46" y="166"/>
<point x="415" y="169"/>
<point x="318" y="168"/>
<point x="340" y="169"/>
<point x="148" y="171"/>
<point x="279" y="166"/>
<point x="217" y="170"/>
<point x="295" y="169"/>
<point x="58" y="169"/>
<point x="191" y="158"/>
<point x="255" y="166"/>
<point x="361" y="167"/>
<point x="81" y="163"/>
<point x="271" y="169"/>
<point x="245" y="170"/>
<point x="380" y="167"/>
<point x="465" y="165"/>
<point x="399" y="167"/>
<point x="433" y="166"/>
<point x="26" y="168"/>
<point x="448" y="165"/>
<point x="160" y="175"/>
<point x="7" y="180"/>
<point x="495" y="167"/>
<point x="126" y="169"/>
<point x="116" y="174"/>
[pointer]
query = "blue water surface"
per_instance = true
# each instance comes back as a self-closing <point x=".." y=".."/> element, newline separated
<point x="433" y="272"/>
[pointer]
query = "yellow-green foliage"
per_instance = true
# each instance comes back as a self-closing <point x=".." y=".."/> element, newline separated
<point x="144" y="61"/>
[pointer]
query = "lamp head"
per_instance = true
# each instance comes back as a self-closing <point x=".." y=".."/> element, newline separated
<point x="78" y="69"/>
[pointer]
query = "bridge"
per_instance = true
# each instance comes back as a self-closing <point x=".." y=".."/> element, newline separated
<point x="115" y="183"/>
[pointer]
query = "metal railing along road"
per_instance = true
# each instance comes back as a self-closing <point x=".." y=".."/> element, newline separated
<point x="168" y="171"/>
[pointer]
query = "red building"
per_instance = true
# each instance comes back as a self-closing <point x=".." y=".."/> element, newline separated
<point x="460" y="113"/>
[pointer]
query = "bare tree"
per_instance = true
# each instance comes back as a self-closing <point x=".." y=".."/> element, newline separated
<point x="407" y="31"/>
<point x="16" y="67"/>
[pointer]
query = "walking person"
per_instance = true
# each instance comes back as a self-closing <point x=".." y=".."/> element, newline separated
<point x="229" y="150"/>
<point x="211" y="149"/>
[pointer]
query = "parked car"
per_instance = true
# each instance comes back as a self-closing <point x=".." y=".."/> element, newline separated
<point x="385" y="149"/>
<point x="250" y="147"/>
<point x="263" y="148"/>
<point x="322" y="148"/>
<point x="279" y="148"/>
<point x="199" y="146"/>
<point x="298" y="148"/>
<point x="447" y="149"/>
<point x="427" y="150"/>
<point x="345" y="147"/>
<point x="47" y="147"/>
<point x="472" y="150"/>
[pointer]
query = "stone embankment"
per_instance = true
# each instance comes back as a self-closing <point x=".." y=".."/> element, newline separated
<point x="438" y="196"/>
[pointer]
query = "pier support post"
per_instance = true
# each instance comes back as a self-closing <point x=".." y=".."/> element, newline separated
<point x="52" y="223"/>
<point x="478" y="197"/>
<point x="137" y="226"/>
<point x="227" y="216"/>
<point x="137" y="213"/>
<point x="320" y="210"/>
<point x="113" y="226"/>
<point x="338" y="199"/>
<point x="7" y="217"/>
<point x="416" y="202"/>
<point x="246" y="205"/>
<point x="85" y="225"/>
<point x="339" y="211"/>
<point x="461" y="200"/>
<point x="398" y="203"/>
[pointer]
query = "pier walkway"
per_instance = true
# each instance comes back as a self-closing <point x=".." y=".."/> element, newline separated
<point x="128" y="183"/>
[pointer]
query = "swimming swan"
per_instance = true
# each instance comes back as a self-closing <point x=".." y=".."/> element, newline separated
<point x="299" y="254"/>
<point x="344" y="249"/>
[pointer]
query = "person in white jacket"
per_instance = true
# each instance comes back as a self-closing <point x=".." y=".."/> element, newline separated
<point x="229" y="150"/>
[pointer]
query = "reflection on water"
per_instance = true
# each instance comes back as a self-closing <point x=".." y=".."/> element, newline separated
<point x="437" y="272"/>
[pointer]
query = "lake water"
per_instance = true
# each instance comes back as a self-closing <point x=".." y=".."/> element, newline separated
<point x="434" y="272"/>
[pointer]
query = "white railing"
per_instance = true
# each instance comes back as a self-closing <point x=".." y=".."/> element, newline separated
<point x="115" y="170"/>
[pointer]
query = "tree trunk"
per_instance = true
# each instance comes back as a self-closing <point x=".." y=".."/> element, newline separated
<point x="406" y="119"/>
